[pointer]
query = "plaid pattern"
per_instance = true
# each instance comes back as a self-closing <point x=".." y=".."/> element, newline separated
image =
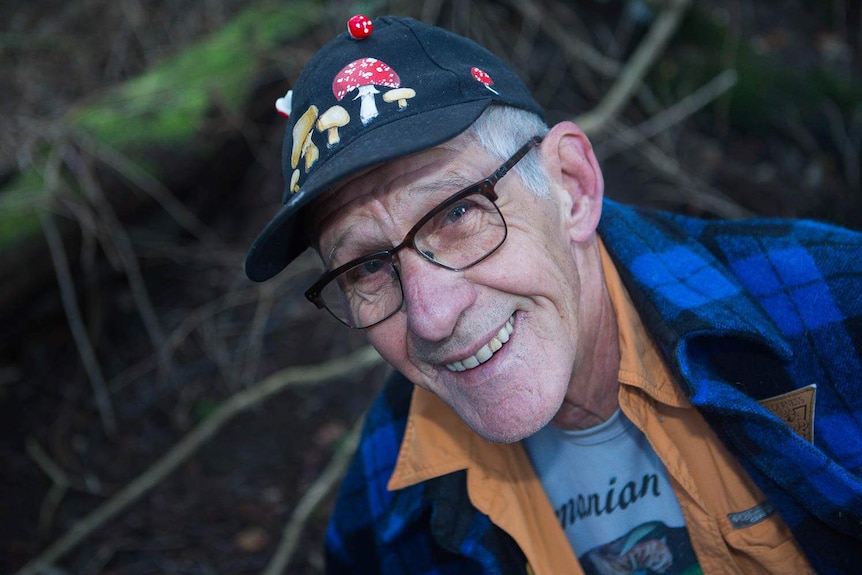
<point x="428" y="529"/>
<point x="741" y="311"/>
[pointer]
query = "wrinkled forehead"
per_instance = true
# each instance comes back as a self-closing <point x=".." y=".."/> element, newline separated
<point x="395" y="187"/>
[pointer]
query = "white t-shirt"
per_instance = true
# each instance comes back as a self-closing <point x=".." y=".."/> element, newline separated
<point x="612" y="496"/>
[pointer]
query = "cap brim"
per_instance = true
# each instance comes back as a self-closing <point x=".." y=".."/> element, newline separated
<point x="283" y="239"/>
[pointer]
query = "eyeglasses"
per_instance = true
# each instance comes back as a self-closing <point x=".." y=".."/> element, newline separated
<point x="459" y="233"/>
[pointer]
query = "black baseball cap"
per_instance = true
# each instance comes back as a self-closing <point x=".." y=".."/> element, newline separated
<point x="360" y="102"/>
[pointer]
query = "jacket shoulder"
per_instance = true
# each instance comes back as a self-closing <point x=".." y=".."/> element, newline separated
<point x="352" y="538"/>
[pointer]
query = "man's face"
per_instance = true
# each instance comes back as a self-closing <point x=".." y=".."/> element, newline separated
<point x="523" y="304"/>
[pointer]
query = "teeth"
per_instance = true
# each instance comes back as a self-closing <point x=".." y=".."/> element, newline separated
<point x="486" y="351"/>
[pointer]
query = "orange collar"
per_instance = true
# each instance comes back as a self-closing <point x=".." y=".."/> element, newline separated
<point x="641" y="365"/>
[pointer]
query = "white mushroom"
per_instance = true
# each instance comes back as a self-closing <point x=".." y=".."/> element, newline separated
<point x="401" y="95"/>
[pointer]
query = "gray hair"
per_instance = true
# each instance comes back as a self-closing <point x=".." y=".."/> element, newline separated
<point x="501" y="130"/>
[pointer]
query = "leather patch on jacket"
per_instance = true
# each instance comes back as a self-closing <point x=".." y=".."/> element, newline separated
<point x="796" y="409"/>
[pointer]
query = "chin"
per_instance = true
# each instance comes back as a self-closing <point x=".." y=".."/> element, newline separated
<point x="506" y="435"/>
<point x="504" y="426"/>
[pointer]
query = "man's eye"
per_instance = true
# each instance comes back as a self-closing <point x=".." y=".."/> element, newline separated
<point x="370" y="267"/>
<point x="456" y="213"/>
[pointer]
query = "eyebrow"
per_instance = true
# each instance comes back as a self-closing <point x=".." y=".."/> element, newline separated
<point x="448" y="182"/>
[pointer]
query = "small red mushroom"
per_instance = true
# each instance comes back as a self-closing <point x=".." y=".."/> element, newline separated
<point x="360" y="27"/>
<point x="362" y="75"/>
<point x="483" y="77"/>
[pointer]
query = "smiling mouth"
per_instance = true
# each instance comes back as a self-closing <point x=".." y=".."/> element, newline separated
<point x="487" y="351"/>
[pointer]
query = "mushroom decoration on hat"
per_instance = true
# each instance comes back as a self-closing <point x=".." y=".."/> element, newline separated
<point x="400" y="95"/>
<point x="329" y="121"/>
<point x="283" y="104"/>
<point x="360" y="27"/>
<point x="363" y="75"/>
<point x="482" y="77"/>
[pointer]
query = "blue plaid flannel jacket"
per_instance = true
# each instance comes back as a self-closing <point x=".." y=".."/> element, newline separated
<point x="742" y="311"/>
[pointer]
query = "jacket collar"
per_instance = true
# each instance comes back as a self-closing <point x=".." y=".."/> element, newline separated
<point x="684" y="294"/>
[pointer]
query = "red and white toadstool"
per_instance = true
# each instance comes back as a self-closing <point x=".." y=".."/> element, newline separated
<point x="483" y="77"/>
<point x="360" y="27"/>
<point x="363" y="75"/>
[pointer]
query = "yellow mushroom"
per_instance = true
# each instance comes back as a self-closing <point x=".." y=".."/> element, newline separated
<point x="332" y="119"/>
<point x="294" y="180"/>
<point x="311" y="153"/>
<point x="301" y="133"/>
<point x="399" y="94"/>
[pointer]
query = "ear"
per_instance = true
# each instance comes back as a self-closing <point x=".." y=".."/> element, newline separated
<point x="575" y="178"/>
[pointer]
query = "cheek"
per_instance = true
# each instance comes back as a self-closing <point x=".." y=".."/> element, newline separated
<point x="389" y="338"/>
<point x="538" y="269"/>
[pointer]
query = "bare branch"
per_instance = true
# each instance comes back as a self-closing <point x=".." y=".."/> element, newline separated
<point x="673" y="115"/>
<point x="76" y="325"/>
<point x="128" y="257"/>
<point x="635" y="69"/>
<point x="257" y="331"/>
<point x="59" y="484"/>
<point x="316" y="494"/>
<point x="352" y="364"/>
<point x="574" y="48"/>
<point x="151" y="186"/>
<point x="849" y="150"/>
<point x="706" y="198"/>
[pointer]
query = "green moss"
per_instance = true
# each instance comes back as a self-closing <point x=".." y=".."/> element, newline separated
<point x="169" y="103"/>
<point x="19" y="202"/>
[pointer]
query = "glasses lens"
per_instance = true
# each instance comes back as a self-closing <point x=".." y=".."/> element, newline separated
<point x="364" y="294"/>
<point x="462" y="233"/>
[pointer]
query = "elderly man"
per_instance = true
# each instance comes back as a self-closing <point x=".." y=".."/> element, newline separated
<point x="583" y="387"/>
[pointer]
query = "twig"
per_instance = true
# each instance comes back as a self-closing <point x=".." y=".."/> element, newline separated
<point x="848" y="150"/>
<point x="191" y="321"/>
<point x="76" y="325"/>
<point x="635" y="69"/>
<point x="151" y="186"/>
<point x="707" y="199"/>
<point x="362" y="359"/>
<point x="256" y="333"/>
<point x="673" y="115"/>
<point x="219" y="351"/>
<point x="574" y="48"/>
<point x="316" y="494"/>
<point x="45" y="462"/>
<point x="129" y="259"/>
<point x="59" y="483"/>
<point x="54" y="471"/>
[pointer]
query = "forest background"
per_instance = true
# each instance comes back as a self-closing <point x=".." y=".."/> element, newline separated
<point x="162" y="414"/>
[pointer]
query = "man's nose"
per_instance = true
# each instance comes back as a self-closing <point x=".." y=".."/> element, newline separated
<point x="434" y="297"/>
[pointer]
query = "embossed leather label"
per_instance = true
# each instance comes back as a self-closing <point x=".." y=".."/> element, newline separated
<point x="796" y="409"/>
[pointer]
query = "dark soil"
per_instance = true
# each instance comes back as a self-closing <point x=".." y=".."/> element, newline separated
<point x="789" y="148"/>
